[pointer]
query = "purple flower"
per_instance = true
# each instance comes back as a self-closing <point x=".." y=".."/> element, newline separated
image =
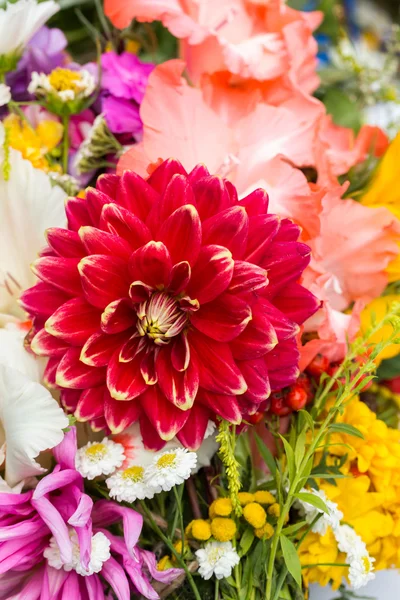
<point x="55" y="542"/>
<point x="123" y="85"/>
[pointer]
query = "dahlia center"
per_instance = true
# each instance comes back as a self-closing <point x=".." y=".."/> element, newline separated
<point x="160" y="318"/>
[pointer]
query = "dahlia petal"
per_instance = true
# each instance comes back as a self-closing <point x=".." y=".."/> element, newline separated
<point x="180" y="277"/>
<point x="139" y="291"/>
<point x="120" y="415"/>
<point x="60" y="272"/>
<point x="108" y="183"/>
<point x="288" y="231"/>
<point x="192" y="433"/>
<point x="180" y="352"/>
<point x="282" y="364"/>
<point x="228" y="228"/>
<point x="90" y="404"/>
<point x="211" y="196"/>
<point x="74" y="321"/>
<point x="217" y="368"/>
<point x="255" y="373"/>
<point x="99" y="424"/>
<point x="181" y="233"/>
<point x="148" y="368"/>
<point x="248" y="280"/>
<point x="256" y="203"/>
<point x="136" y="195"/>
<point x="164" y="416"/>
<point x="226" y="407"/>
<point x="124" y="379"/>
<point x="104" y="279"/>
<point x="97" y="241"/>
<point x="77" y="213"/>
<point x="42" y="299"/>
<point x="72" y="373"/>
<point x="257" y="339"/>
<point x="122" y="223"/>
<point x="211" y="274"/>
<point x="95" y="201"/>
<point x="131" y="348"/>
<point x="50" y="372"/>
<point x="198" y="172"/>
<point x="70" y="399"/>
<point x="118" y="316"/>
<point x="285" y="263"/>
<point x="162" y="175"/>
<point x="65" y="243"/>
<point x="151" y="439"/>
<point x="223" y="319"/>
<point x="151" y="264"/>
<point x="296" y="302"/>
<point x="100" y="347"/>
<point x="179" y="387"/>
<point x="284" y="327"/>
<point x="232" y="191"/>
<point x="178" y="193"/>
<point x="188" y="305"/>
<point x="262" y="231"/>
<point x="44" y="344"/>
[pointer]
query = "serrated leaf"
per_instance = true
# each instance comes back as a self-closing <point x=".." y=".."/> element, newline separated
<point x="291" y="559"/>
<point x="314" y="500"/>
<point x="345" y="428"/>
<point x="246" y="541"/>
<point x="266" y="454"/>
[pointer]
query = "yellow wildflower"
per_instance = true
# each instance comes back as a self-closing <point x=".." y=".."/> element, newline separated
<point x="200" y="530"/>
<point x="264" y="497"/>
<point x="274" y="510"/>
<point x="265" y="532"/>
<point x="221" y="507"/>
<point x="318" y="550"/>
<point x="164" y="563"/>
<point x="223" y="529"/>
<point x="255" y="515"/>
<point x="380" y="307"/>
<point x="245" y="498"/>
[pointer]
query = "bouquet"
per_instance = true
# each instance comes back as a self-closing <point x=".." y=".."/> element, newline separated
<point x="199" y="301"/>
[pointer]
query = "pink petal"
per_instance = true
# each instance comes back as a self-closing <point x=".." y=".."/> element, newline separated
<point x="211" y="196"/>
<point x="285" y="263"/>
<point x="42" y="299"/>
<point x="180" y="277"/>
<point x="181" y="233"/>
<point x="104" y="279"/>
<point x="296" y="302"/>
<point x="44" y="344"/>
<point x="180" y="387"/>
<point x="108" y="184"/>
<point x="140" y="292"/>
<point x="72" y="373"/>
<point x="257" y="339"/>
<point x="65" y="242"/>
<point x="120" y="415"/>
<point x="223" y="319"/>
<point x="226" y="407"/>
<point x="74" y="322"/>
<point x="97" y="241"/>
<point x="180" y="352"/>
<point x="151" y="439"/>
<point x="91" y="404"/>
<point x="124" y="379"/>
<point x="228" y="228"/>
<point x="160" y="178"/>
<point x="95" y="201"/>
<point x="148" y="368"/>
<point x="60" y="272"/>
<point x="70" y="399"/>
<point x="100" y="347"/>
<point x="136" y="195"/>
<point x="256" y="203"/>
<point x="211" y="274"/>
<point x="192" y="433"/>
<point x="262" y="231"/>
<point x="77" y="213"/>
<point x="248" y="280"/>
<point x="122" y="223"/>
<point x="255" y="373"/>
<point x="50" y="372"/>
<point x="151" y="264"/>
<point x="118" y="316"/>
<point x="178" y="193"/>
<point x="284" y="327"/>
<point x="164" y="416"/>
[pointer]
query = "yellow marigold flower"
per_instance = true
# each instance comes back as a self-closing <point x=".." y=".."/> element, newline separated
<point x="380" y="307"/>
<point x="274" y="510"/>
<point x="265" y="532"/>
<point x="264" y="497"/>
<point x="317" y="549"/>
<point x="165" y="563"/>
<point x="255" y="515"/>
<point x="245" y="498"/>
<point x="223" y="530"/>
<point x="221" y="507"/>
<point x="200" y="530"/>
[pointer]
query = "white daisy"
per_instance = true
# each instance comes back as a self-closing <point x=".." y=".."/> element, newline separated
<point x="361" y="564"/>
<point x="349" y="542"/>
<point x="128" y="485"/>
<point x="217" y="558"/>
<point x="310" y="512"/>
<point x="361" y="571"/>
<point x="65" y="84"/>
<point x="19" y="21"/>
<point x="170" y="468"/>
<point x="99" y="458"/>
<point x="5" y="94"/>
<point x="100" y="553"/>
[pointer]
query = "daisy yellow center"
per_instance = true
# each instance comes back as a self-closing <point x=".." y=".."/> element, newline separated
<point x="366" y="563"/>
<point x="160" y="318"/>
<point x="134" y="474"/>
<point x="214" y="555"/>
<point x="65" y="79"/>
<point x="167" y="460"/>
<point x="96" y="452"/>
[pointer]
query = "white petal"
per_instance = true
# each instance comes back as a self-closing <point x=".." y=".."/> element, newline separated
<point x="13" y="353"/>
<point x="29" y="205"/>
<point x="32" y="422"/>
<point x="20" y="21"/>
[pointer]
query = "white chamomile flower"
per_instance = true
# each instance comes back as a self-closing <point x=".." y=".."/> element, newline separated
<point x="349" y="542"/>
<point x="100" y="553"/>
<point x="65" y="84"/>
<point x="170" y="468"/>
<point x="129" y="484"/>
<point x="310" y="512"/>
<point x="99" y="458"/>
<point x="361" y="564"/>
<point x="19" y="21"/>
<point x="361" y="571"/>
<point x="5" y="94"/>
<point x="217" y="558"/>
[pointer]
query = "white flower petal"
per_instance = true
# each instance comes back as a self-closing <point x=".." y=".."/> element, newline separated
<point x="13" y="353"/>
<point x="5" y="94"/>
<point x="20" y="21"/>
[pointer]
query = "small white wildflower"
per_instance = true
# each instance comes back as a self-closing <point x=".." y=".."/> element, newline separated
<point x="99" y="458"/>
<point x="65" y="84"/>
<point x="361" y="571"/>
<point x="5" y="94"/>
<point x="361" y="564"/>
<point x="349" y="542"/>
<point x="310" y="512"/>
<point x="217" y="558"/>
<point x="170" y="468"/>
<point x="100" y="553"/>
<point x="129" y="485"/>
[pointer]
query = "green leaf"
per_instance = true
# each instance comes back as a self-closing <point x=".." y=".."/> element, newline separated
<point x="290" y="458"/>
<point x="314" y="500"/>
<point x="291" y="559"/>
<point x="346" y="429"/>
<point x="266" y="454"/>
<point x="293" y="528"/>
<point x="308" y="418"/>
<point x="344" y="110"/>
<point x="390" y="368"/>
<point x="300" y="448"/>
<point x="246" y="541"/>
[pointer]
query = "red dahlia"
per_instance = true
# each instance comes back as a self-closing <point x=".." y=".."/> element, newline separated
<point x="169" y="302"/>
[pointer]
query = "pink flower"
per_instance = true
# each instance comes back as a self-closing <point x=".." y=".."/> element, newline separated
<point x="169" y="302"/>
<point x="55" y="542"/>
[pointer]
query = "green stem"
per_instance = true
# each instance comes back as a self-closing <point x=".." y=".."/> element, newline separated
<point x="216" y="593"/>
<point x="65" y="144"/>
<point x="178" y="499"/>
<point x="170" y="546"/>
<point x="324" y="565"/>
